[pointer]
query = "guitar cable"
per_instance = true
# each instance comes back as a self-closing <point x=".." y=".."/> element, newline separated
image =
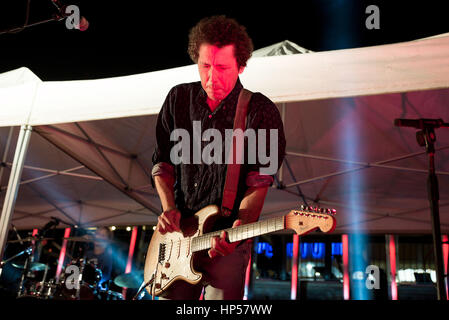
<point x="144" y="285"/>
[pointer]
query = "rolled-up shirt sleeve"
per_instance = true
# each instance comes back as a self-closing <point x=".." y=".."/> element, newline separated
<point x="163" y="169"/>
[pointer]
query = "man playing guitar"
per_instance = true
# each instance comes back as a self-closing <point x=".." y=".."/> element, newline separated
<point x="220" y="47"/>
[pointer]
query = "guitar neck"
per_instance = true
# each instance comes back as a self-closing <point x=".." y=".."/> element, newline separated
<point x="239" y="233"/>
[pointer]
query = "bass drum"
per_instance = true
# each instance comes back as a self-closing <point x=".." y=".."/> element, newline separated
<point x="88" y="285"/>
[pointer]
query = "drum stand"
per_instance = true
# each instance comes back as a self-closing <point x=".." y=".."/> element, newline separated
<point x="80" y="279"/>
<point x="426" y="138"/>
<point x="27" y="264"/>
<point x="13" y="257"/>
<point x="41" y="289"/>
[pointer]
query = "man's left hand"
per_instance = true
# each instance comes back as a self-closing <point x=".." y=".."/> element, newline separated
<point x="220" y="246"/>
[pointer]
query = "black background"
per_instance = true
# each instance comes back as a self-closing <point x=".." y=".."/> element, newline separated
<point x="128" y="37"/>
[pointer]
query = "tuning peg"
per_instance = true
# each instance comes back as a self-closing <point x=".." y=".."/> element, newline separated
<point x="329" y="211"/>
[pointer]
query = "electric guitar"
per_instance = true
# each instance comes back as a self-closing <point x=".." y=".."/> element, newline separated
<point x="170" y="257"/>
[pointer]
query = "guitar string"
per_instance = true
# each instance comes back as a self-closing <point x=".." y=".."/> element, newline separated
<point x="189" y="240"/>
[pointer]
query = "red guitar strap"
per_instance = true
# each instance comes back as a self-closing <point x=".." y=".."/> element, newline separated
<point x="233" y="167"/>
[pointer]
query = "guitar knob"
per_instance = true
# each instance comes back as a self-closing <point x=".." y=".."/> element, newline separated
<point x="157" y="285"/>
<point x="167" y="265"/>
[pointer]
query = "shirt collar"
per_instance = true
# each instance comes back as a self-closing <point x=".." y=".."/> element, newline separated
<point x="231" y="98"/>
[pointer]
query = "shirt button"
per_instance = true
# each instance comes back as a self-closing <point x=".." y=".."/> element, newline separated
<point x="195" y="184"/>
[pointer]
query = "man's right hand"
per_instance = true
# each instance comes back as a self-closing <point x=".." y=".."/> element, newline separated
<point x="168" y="221"/>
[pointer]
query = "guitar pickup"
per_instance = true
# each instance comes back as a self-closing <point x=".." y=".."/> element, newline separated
<point x="161" y="257"/>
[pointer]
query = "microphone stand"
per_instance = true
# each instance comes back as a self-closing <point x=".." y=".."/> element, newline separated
<point x="426" y="138"/>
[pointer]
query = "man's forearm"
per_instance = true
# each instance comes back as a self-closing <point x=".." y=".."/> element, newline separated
<point x="252" y="204"/>
<point x="164" y="186"/>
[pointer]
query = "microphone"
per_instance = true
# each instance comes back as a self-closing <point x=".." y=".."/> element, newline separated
<point x="421" y="123"/>
<point x="49" y="225"/>
<point x="56" y="219"/>
<point x="64" y="222"/>
<point x="17" y="233"/>
<point x="83" y="25"/>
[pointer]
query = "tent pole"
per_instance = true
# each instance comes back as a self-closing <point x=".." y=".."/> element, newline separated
<point x="13" y="184"/>
<point x="5" y="154"/>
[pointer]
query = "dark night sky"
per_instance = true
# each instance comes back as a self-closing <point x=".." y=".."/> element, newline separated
<point x="127" y="37"/>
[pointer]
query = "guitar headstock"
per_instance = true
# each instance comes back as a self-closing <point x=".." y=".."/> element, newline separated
<point x="307" y="219"/>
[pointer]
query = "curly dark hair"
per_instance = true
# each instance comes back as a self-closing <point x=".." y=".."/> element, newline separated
<point x="220" y="31"/>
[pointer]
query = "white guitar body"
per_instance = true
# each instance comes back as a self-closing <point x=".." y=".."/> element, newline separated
<point x="171" y="257"/>
<point x="177" y="260"/>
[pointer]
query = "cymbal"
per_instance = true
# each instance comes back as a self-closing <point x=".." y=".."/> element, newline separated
<point x="85" y="239"/>
<point x="29" y="239"/>
<point x="78" y="239"/>
<point x="132" y="280"/>
<point x="35" y="266"/>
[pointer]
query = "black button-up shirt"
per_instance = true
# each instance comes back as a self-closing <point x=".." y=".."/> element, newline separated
<point x="198" y="185"/>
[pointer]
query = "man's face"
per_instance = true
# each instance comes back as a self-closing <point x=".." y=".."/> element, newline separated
<point x="218" y="70"/>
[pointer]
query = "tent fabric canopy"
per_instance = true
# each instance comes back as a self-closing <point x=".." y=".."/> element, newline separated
<point x="402" y="67"/>
<point x="283" y="48"/>
<point x="338" y="109"/>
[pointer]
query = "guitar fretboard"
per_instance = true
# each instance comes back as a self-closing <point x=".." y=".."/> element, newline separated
<point x="239" y="233"/>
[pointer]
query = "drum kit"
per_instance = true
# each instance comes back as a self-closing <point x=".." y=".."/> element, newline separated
<point x="78" y="280"/>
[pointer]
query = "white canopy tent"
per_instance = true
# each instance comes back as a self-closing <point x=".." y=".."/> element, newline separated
<point x="89" y="158"/>
<point x="283" y="48"/>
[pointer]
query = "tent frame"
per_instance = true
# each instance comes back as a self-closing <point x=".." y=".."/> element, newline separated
<point x="14" y="184"/>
